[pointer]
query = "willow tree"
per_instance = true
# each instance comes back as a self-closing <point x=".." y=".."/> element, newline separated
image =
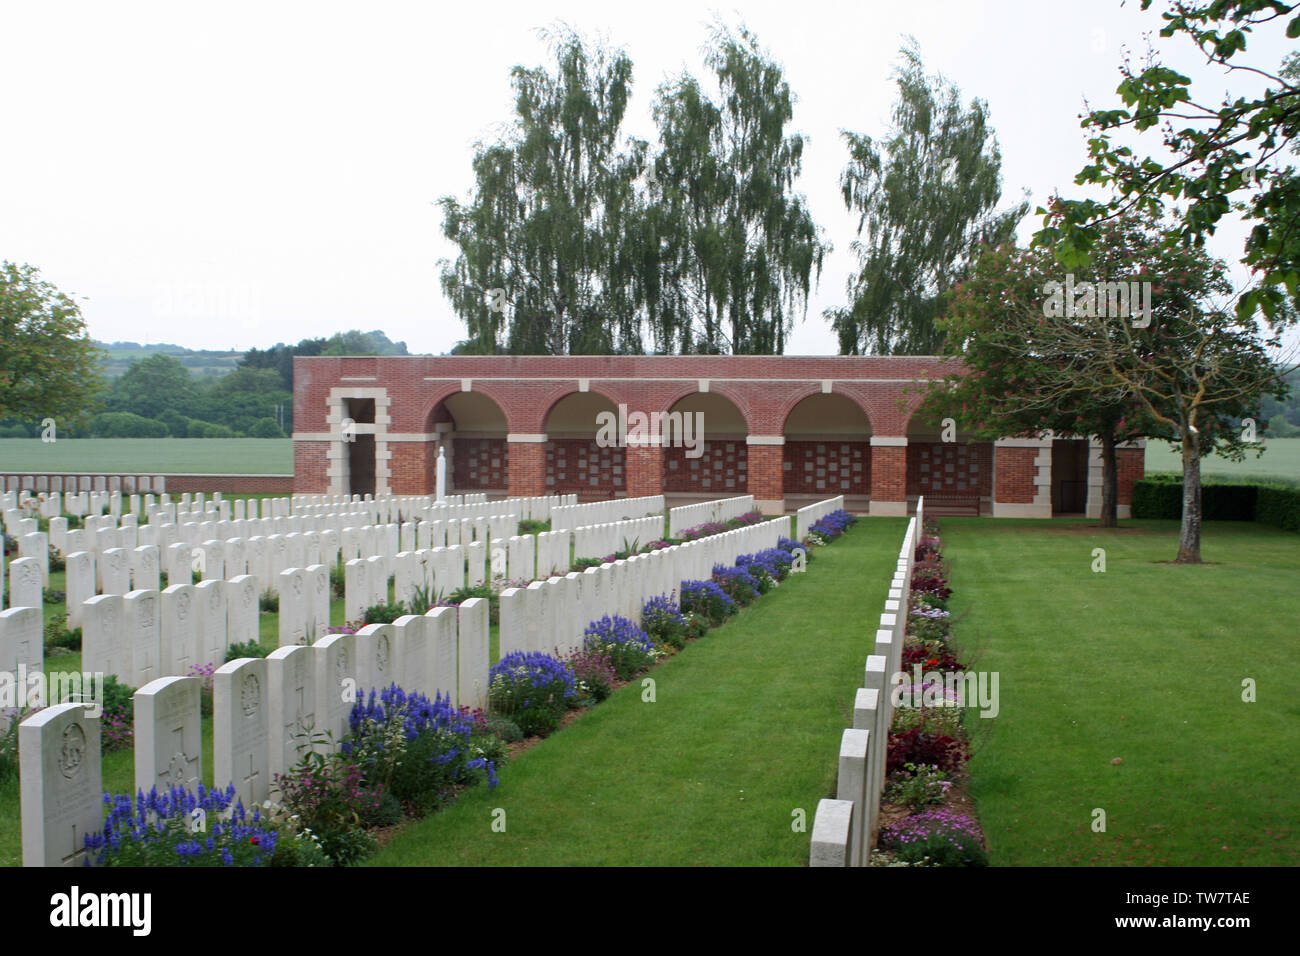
<point x="925" y="199"/>
<point x="729" y="249"/>
<point x="544" y="264"/>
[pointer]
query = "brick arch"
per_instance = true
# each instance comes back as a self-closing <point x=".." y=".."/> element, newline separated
<point x="426" y="418"/>
<point x="559" y="394"/>
<point x="823" y="464"/>
<point x="786" y="408"/>
<point x="742" y="404"/>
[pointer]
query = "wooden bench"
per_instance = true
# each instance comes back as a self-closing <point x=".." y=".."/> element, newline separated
<point x="952" y="505"/>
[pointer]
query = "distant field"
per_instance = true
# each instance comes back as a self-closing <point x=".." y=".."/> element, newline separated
<point x="245" y="456"/>
<point x="1281" y="459"/>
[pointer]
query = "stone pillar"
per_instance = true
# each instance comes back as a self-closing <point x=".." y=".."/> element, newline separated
<point x="888" y="475"/>
<point x="766" y="454"/>
<point x="526" y="465"/>
<point x="1022" y="478"/>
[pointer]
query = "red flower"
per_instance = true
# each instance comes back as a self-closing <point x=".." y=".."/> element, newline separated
<point x="253" y="840"/>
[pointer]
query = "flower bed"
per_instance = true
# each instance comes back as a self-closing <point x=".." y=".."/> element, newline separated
<point x="925" y="811"/>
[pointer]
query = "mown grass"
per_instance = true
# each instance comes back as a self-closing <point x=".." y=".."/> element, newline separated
<point x="149" y="456"/>
<point x="743" y="732"/>
<point x="1143" y="663"/>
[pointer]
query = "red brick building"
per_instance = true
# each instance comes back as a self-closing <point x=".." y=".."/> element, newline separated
<point x="786" y="429"/>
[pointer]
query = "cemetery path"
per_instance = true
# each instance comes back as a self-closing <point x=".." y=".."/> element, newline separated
<point x="742" y="734"/>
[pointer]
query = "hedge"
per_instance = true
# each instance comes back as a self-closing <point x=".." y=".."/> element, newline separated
<point x="1161" y="496"/>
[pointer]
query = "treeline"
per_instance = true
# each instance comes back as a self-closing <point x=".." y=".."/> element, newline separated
<point x="158" y="397"/>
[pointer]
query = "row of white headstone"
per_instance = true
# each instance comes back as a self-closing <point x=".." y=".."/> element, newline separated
<point x="568" y="517"/>
<point x="550" y="616"/>
<point x="267" y="714"/>
<point x="809" y="515"/>
<point x="723" y="509"/>
<point x="599" y="540"/>
<point x="845" y="828"/>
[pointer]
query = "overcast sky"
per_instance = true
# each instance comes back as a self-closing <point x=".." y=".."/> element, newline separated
<point x="241" y="174"/>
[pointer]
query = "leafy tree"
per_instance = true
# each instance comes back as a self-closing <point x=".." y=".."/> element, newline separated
<point x="925" y="198"/>
<point x="49" y="368"/>
<point x="728" y="249"/>
<point x="1219" y="153"/>
<point x="154" y="385"/>
<point x="280" y="358"/>
<point x="549" y="221"/>
<point x="1003" y="389"/>
<point x="1196" y="369"/>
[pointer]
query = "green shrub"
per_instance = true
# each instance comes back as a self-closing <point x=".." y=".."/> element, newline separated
<point x="265" y="428"/>
<point x="58" y="635"/>
<point x="250" y="649"/>
<point x="1161" y="496"/>
<point x="480" y="591"/>
<point x="338" y="585"/>
<point x="269" y="602"/>
<point x="532" y="526"/>
<point x="1278" y="507"/>
<point x="384" y="613"/>
<point x="126" y="425"/>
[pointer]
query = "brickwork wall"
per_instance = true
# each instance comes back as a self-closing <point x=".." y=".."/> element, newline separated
<point x="830" y="467"/>
<point x="580" y="465"/>
<point x="480" y="463"/>
<point x="1016" y="472"/>
<point x="949" y="469"/>
<point x="888" y="473"/>
<point x="721" y="468"/>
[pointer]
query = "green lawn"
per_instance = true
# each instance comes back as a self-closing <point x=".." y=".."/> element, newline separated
<point x="744" y="730"/>
<point x="1143" y="663"/>
<point x="1281" y="459"/>
<point x="250" y="456"/>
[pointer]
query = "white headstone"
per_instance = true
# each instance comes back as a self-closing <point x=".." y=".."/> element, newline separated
<point x="376" y="657"/>
<point x="144" y="568"/>
<point x="291" y="676"/>
<point x="293" y="607"/>
<point x="25" y="588"/>
<point x="442" y="628"/>
<point x="241" y="729"/>
<point x="105" y="647"/>
<point x="79" y="583"/>
<point x="473" y="653"/>
<point x="181" y="649"/>
<point x="142" y="612"/>
<point x="210" y="597"/>
<point x="62" y="784"/>
<point x="337" y="686"/>
<point x="168" y="734"/>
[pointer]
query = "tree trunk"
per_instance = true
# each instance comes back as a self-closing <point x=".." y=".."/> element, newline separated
<point x="1109" y="481"/>
<point x="1189" y="537"/>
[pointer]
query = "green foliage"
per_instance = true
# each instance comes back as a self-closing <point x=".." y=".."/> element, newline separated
<point x="385" y="613"/>
<point x="268" y="602"/>
<point x="533" y="526"/>
<point x="926" y="198"/>
<point x="49" y="368"/>
<point x="485" y="591"/>
<point x="338" y="581"/>
<point x="548" y="222"/>
<point x="1219" y="157"/>
<point x="1276" y="505"/>
<point x="9" y="746"/>
<point x="154" y="385"/>
<point x="126" y="425"/>
<point x="503" y="727"/>
<point x="265" y="428"/>
<point x="248" y="649"/>
<point x="58" y="637"/>
<point x="730" y="249"/>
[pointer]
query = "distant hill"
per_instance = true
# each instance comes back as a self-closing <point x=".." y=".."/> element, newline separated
<point x="202" y="364"/>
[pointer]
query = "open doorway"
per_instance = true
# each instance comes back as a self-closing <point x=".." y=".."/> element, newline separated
<point x="1069" y="476"/>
